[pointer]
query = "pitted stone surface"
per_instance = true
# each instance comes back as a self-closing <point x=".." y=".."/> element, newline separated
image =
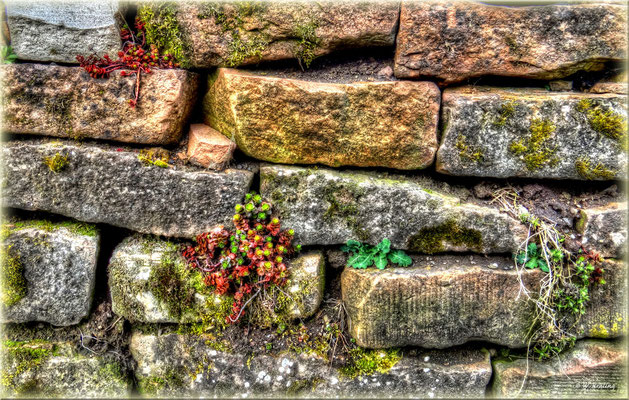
<point x="59" y="267"/>
<point x="58" y="31"/>
<point x="604" y="229"/>
<point x="483" y="128"/>
<point x="54" y="369"/>
<point x="456" y="372"/>
<point x="593" y="368"/>
<point x="438" y="306"/>
<point x="66" y="102"/>
<point x="385" y="124"/>
<point x="454" y="41"/>
<point x="327" y="207"/>
<point x="138" y="263"/>
<point x="233" y="33"/>
<point x="114" y="187"/>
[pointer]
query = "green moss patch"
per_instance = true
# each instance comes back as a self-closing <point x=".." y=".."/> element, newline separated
<point x="468" y="152"/>
<point x="78" y="228"/>
<point x="431" y="240"/>
<point x="163" y="30"/>
<point x="12" y="275"/>
<point x="343" y="198"/>
<point x="507" y="111"/>
<point x="21" y="357"/>
<point x="56" y="163"/>
<point x="586" y="170"/>
<point x="604" y="121"/>
<point x="367" y="362"/>
<point x="308" y="41"/>
<point x="156" y="384"/>
<point x="537" y="151"/>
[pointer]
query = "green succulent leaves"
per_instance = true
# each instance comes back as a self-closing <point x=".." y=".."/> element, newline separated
<point x="365" y="255"/>
<point x="533" y="257"/>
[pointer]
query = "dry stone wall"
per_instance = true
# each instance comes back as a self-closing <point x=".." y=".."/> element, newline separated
<point x="486" y="142"/>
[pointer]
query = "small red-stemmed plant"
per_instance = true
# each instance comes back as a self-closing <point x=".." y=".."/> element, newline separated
<point x="247" y="261"/>
<point x="135" y="58"/>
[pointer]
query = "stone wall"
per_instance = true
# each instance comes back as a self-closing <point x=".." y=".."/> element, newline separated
<point x="462" y="132"/>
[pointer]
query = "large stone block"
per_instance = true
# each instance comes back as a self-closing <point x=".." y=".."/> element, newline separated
<point x="151" y="282"/>
<point x="195" y="369"/>
<point x="454" y="41"/>
<point x="232" y="33"/>
<point x="66" y="102"/>
<point x="48" y="271"/>
<point x="450" y="303"/>
<point x="604" y="229"/>
<point x="385" y="124"/>
<point x="592" y="369"/>
<point x="58" y="31"/>
<point x="54" y="369"/>
<point x="99" y="184"/>
<point x="533" y="133"/>
<point x="329" y="207"/>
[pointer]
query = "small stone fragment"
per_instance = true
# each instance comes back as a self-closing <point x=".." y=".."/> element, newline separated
<point x="101" y="184"/>
<point x="209" y="148"/>
<point x="455" y="41"/>
<point x="515" y="132"/>
<point x="45" y="30"/>
<point x="66" y="102"/>
<point x="592" y="369"/>
<point x="52" y="268"/>
<point x="560" y="86"/>
<point x="366" y="124"/>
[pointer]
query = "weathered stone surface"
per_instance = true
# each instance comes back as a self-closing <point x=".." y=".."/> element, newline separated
<point x="99" y="184"/>
<point x="195" y="369"/>
<point x="593" y="368"/>
<point x="60" y="30"/>
<point x="533" y="133"/>
<point x="46" y="369"/>
<point x="329" y="207"/>
<point x="145" y="273"/>
<point x="234" y="33"/>
<point x="387" y="124"/>
<point x="453" y="41"/>
<point x="604" y="229"/>
<point x="66" y="102"/>
<point x="208" y="148"/>
<point x="437" y="306"/>
<point x="58" y="267"/>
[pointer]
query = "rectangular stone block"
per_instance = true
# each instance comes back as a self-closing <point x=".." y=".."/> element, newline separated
<point x="232" y="33"/>
<point x="366" y="124"/>
<point x="592" y="369"/>
<point x="327" y="207"/>
<point x="208" y="148"/>
<point x="450" y="303"/>
<point x="100" y="184"/>
<point x="66" y="102"/>
<point x="604" y="229"/>
<point x="455" y="41"/>
<point x="532" y="133"/>
<point x="48" y="271"/>
<point x="44" y="30"/>
<point x="452" y="373"/>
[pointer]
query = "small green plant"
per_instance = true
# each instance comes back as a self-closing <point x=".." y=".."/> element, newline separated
<point x="156" y="157"/>
<point x="56" y="163"/>
<point x="6" y="55"/>
<point x="365" y="255"/>
<point x="533" y="257"/>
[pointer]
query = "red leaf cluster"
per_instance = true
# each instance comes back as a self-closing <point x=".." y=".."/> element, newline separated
<point x="245" y="261"/>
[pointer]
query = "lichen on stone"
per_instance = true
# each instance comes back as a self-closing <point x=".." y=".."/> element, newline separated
<point x="584" y="168"/>
<point x="307" y="44"/>
<point x="157" y="156"/>
<point x="507" y="110"/>
<point x="343" y="198"/>
<point x="604" y="121"/>
<point x="21" y="357"/>
<point x="537" y="151"/>
<point x="56" y="163"/>
<point x="468" y="152"/>
<point x="431" y="240"/>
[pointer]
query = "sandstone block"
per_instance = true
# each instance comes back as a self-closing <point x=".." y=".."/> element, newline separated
<point x="456" y="372"/>
<point x="593" y="368"/>
<point x="98" y="184"/>
<point x="604" y="229"/>
<point x="66" y="102"/>
<point x="533" y="133"/>
<point x="151" y="282"/>
<point x="328" y="207"/>
<point x="208" y="148"/>
<point x="57" y="31"/>
<point x="49" y="369"/>
<point x="49" y="271"/>
<point x="387" y="124"/>
<point x="454" y="41"/>
<point x="449" y="303"/>
<point x="233" y="33"/>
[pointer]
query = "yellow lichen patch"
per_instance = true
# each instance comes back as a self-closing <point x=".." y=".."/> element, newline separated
<point x="467" y="152"/>
<point x="56" y="163"/>
<point x="537" y="152"/>
<point x="585" y="169"/>
<point x="507" y="110"/>
<point x="12" y="275"/>
<point x="599" y="331"/>
<point x="605" y="121"/>
<point x="158" y="157"/>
